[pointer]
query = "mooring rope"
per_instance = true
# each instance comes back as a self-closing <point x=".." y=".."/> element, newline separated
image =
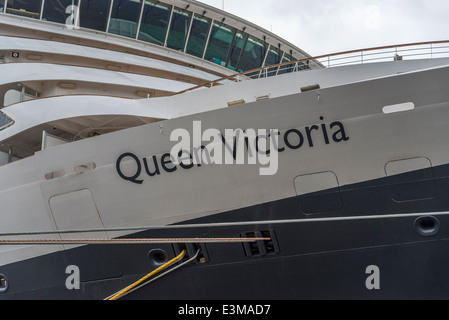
<point x="144" y="283"/>
<point x="125" y="241"/>
<point x="135" y="284"/>
<point x="224" y="224"/>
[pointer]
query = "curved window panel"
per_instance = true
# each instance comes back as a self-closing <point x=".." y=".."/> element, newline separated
<point x="253" y="55"/>
<point x="219" y="43"/>
<point x="198" y="36"/>
<point x="59" y="11"/>
<point x="25" y="8"/>
<point x="94" y="14"/>
<point x="289" y="67"/>
<point x="302" y="66"/>
<point x="5" y="121"/>
<point x="274" y="56"/>
<point x="179" y="29"/>
<point x="236" y="50"/>
<point x="125" y="16"/>
<point x="155" y="18"/>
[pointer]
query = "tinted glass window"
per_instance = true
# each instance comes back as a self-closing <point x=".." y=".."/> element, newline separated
<point x="2" y="6"/>
<point x="179" y="29"/>
<point x="5" y="120"/>
<point x="58" y="10"/>
<point x="302" y="66"/>
<point x="198" y="36"/>
<point x="289" y="67"/>
<point x="253" y="55"/>
<point x="274" y="56"/>
<point x="236" y="50"/>
<point x="156" y="16"/>
<point x="125" y="16"/>
<point x="219" y="43"/>
<point x="94" y="14"/>
<point x="26" y="8"/>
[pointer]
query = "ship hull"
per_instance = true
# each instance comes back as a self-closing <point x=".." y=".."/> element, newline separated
<point x="323" y="259"/>
<point x="373" y="226"/>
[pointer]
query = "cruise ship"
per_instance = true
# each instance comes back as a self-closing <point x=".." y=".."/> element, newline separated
<point x="168" y="150"/>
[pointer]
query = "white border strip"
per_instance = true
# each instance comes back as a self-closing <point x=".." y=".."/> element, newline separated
<point x="232" y="224"/>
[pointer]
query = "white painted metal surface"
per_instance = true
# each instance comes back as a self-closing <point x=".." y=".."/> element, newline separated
<point x="187" y="194"/>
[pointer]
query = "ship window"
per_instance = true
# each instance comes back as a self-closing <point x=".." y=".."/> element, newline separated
<point x="179" y="29"/>
<point x="198" y="36"/>
<point x="236" y="50"/>
<point x="254" y="54"/>
<point x="26" y="8"/>
<point x="3" y="283"/>
<point x="302" y="66"/>
<point x="58" y="10"/>
<point x="154" y="22"/>
<point x="289" y="67"/>
<point x="273" y="57"/>
<point x="125" y="17"/>
<point x="94" y="14"/>
<point x="5" y="121"/>
<point x="219" y="43"/>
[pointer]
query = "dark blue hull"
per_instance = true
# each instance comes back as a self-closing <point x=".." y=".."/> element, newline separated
<point x="325" y="255"/>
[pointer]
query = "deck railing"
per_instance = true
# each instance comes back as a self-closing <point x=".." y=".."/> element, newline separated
<point x="410" y="51"/>
<point x="420" y="50"/>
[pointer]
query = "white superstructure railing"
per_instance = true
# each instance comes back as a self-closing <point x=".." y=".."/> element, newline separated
<point x="410" y="51"/>
<point x="425" y="50"/>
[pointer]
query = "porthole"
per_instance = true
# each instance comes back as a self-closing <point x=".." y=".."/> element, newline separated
<point x="3" y="283"/>
<point x="157" y="257"/>
<point x="427" y="226"/>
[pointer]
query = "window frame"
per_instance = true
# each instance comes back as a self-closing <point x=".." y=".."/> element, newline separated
<point x="220" y="26"/>
<point x="200" y="19"/>
<point x="156" y="41"/>
<point x="175" y="12"/>
<point x="25" y="16"/>
<point x="137" y="22"/>
<point x="265" y="46"/>
<point x="45" y="5"/>
<point x="108" y="17"/>
<point x="10" y="123"/>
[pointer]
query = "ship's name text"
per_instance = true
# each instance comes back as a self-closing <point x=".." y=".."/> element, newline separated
<point x="235" y="146"/>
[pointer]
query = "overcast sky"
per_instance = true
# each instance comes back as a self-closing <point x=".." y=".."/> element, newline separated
<point x="327" y="26"/>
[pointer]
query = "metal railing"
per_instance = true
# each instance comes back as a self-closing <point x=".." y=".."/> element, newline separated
<point x="422" y="50"/>
<point x="410" y="51"/>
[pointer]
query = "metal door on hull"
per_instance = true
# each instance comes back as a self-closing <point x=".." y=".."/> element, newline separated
<point x="411" y="179"/>
<point x="77" y="211"/>
<point x="318" y="193"/>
